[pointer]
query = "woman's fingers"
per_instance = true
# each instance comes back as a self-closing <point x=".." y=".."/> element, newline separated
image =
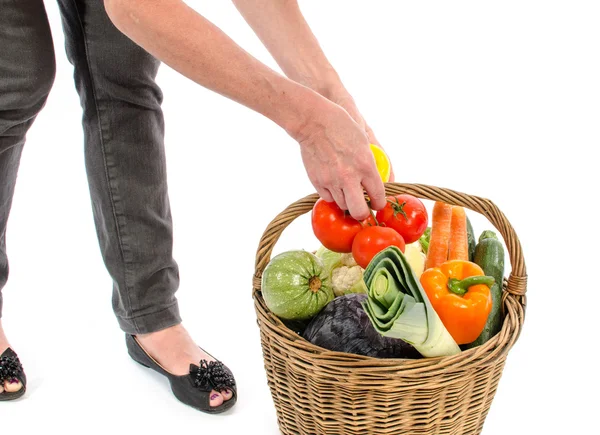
<point x="325" y="194"/>
<point x="376" y="192"/>
<point x="357" y="205"/>
<point x="338" y="196"/>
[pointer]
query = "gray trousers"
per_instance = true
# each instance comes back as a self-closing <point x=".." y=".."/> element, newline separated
<point x="124" y="149"/>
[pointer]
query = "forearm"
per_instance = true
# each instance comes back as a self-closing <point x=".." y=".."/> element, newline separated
<point x="190" y="44"/>
<point x="283" y="30"/>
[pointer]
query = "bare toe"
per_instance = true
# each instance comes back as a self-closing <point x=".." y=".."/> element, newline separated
<point x="12" y="386"/>
<point x="1" y="388"/>
<point x="216" y="399"/>
<point x="227" y="394"/>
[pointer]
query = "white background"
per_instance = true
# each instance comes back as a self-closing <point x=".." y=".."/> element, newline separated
<point x="497" y="99"/>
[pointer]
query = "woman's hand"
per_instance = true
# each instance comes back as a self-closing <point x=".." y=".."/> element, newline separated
<point x="340" y="96"/>
<point x="338" y="160"/>
<point x="335" y="151"/>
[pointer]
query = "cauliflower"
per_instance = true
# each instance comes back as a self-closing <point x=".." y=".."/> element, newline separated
<point x="346" y="276"/>
<point x="348" y="260"/>
<point x="348" y="279"/>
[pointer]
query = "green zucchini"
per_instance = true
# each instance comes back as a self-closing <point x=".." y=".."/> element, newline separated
<point x="471" y="240"/>
<point x="489" y="254"/>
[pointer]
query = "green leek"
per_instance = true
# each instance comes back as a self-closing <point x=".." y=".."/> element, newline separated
<point x="398" y="306"/>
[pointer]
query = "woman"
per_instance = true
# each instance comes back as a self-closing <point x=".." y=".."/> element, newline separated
<point x="115" y="47"/>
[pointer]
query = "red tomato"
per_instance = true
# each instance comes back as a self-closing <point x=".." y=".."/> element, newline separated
<point x="371" y="241"/>
<point x="406" y="214"/>
<point x="334" y="227"/>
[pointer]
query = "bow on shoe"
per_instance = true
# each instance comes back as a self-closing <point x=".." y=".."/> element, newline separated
<point x="212" y="375"/>
<point x="10" y="368"/>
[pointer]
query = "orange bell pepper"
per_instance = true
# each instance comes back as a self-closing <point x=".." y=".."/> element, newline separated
<point x="460" y="294"/>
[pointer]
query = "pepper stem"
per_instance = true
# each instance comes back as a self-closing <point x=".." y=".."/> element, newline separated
<point x="460" y="287"/>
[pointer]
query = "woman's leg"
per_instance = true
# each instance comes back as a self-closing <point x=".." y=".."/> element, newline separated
<point x="126" y="168"/>
<point x="125" y="158"/>
<point x="26" y="75"/>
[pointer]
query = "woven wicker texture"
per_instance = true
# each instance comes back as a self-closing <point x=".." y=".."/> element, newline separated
<point x="319" y="392"/>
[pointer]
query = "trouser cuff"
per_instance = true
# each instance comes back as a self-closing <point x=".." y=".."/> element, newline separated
<point x="152" y="322"/>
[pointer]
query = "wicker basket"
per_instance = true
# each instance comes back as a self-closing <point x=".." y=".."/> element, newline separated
<point x="319" y="392"/>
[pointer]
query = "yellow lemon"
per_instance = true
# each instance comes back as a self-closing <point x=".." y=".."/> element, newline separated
<point x="383" y="163"/>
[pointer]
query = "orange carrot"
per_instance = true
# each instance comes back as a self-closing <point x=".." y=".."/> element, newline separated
<point x="440" y="235"/>
<point x="459" y="245"/>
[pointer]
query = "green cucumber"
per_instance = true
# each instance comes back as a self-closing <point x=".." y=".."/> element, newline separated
<point x="471" y="239"/>
<point x="425" y="239"/>
<point x="489" y="254"/>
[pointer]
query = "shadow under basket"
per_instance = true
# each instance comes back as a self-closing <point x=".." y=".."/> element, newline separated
<point x="320" y="392"/>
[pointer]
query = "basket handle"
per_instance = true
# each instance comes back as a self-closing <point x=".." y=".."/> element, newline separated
<point x="517" y="280"/>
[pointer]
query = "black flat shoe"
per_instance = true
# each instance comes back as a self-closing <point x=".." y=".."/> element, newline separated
<point x="11" y="368"/>
<point x="194" y="388"/>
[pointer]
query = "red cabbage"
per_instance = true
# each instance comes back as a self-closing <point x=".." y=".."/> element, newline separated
<point x="343" y="326"/>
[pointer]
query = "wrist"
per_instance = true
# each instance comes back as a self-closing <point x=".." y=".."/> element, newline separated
<point x="326" y="82"/>
<point x="298" y="109"/>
